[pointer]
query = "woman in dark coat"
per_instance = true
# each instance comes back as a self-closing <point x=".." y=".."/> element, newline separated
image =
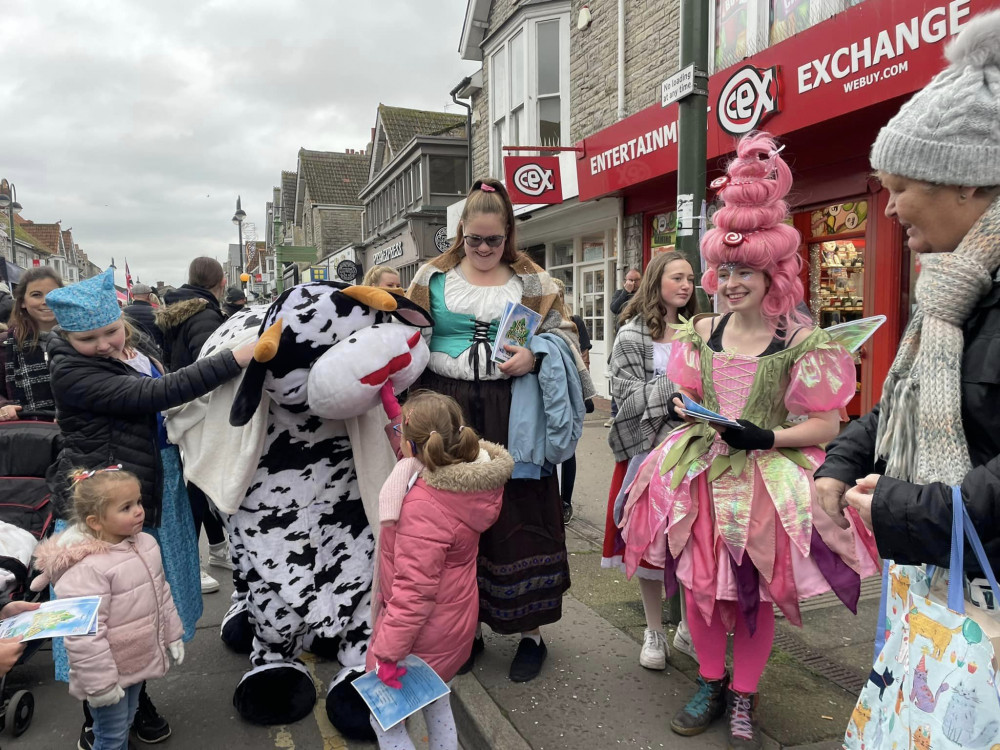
<point x="24" y="372"/>
<point x="937" y="425"/>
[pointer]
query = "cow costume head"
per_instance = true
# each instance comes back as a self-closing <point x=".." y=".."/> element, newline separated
<point x="317" y="348"/>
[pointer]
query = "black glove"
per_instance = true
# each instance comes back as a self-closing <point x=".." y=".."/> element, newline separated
<point x="672" y="407"/>
<point x="750" y="438"/>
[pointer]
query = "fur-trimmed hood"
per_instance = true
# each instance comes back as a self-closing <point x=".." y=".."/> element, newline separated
<point x="171" y="316"/>
<point x="62" y="551"/>
<point x="488" y="472"/>
<point x="472" y="491"/>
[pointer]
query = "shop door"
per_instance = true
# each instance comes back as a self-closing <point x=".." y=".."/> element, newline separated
<point x="593" y="306"/>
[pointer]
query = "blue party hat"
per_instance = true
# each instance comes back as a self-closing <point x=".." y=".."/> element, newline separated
<point x="89" y="304"/>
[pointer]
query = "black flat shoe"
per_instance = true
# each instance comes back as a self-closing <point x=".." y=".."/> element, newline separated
<point x="528" y="660"/>
<point x="478" y="646"/>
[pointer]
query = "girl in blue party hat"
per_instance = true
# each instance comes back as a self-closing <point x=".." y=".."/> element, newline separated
<point x="110" y="395"/>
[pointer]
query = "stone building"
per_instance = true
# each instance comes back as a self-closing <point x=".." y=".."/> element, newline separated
<point x="326" y="212"/>
<point x="418" y="168"/>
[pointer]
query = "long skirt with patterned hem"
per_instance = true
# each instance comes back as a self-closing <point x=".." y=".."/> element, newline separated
<point x="523" y="567"/>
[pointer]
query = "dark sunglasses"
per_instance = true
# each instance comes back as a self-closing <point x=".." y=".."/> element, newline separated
<point x="494" y="240"/>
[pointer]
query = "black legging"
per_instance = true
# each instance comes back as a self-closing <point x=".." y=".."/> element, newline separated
<point x="568" y="479"/>
<point x="204" y="516"/>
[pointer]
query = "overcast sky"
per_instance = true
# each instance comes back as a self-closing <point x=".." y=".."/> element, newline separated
<point x="137" y="122"/>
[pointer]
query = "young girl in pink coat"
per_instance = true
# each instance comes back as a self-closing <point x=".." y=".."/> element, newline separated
<point x="427" y="602"/>
<point x="107" y="554"/>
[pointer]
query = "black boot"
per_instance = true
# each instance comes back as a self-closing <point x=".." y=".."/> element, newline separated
<point x="706" y="705"/>
<point x="148" y="725"/>
<point x="478" y="646"/>
<point x="86" y="741"/>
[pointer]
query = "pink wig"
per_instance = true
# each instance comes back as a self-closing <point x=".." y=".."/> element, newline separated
<point x="759" y="180"/>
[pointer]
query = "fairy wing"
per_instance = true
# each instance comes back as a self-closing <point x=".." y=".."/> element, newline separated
<point x="854" y="333"/>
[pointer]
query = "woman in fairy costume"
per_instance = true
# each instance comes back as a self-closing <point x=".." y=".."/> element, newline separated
<point x="733" y="512"/>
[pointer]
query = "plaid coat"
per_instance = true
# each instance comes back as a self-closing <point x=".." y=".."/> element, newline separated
<point x="642" y="420"/>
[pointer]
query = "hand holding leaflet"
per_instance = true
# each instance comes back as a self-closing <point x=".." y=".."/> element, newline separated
<point x="696" y="411"/>
<point x="418" y="686"/>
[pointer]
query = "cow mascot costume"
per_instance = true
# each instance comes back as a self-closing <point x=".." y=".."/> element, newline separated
<point x="312" y="421"/>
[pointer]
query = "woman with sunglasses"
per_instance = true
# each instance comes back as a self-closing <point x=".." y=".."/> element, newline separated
<point x="523" y="569"/>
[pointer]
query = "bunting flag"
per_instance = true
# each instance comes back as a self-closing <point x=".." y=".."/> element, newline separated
<point x="128" y="282"/>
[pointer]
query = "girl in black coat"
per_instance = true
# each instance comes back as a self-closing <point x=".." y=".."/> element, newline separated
<point x="109" y="396"/>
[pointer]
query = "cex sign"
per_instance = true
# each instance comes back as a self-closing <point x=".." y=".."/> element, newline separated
<point x="874" y="52"/>
<point x="533" y="179"/>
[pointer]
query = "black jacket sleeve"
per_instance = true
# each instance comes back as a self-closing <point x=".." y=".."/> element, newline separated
<point x="851" y="455"/>
<point x="97" y="390"/>
<point x="619" y="301"/>
<point x="912" y="523"/>
<point x="198" y="328"/>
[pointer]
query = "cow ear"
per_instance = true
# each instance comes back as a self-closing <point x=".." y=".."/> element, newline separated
<point x="411" y="313"/>
<point x="248" y="396"/>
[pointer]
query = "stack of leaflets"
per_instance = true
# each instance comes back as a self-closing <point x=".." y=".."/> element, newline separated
<point x="420" y="687"/>
<point x="54" y="619"/>
<point x="517" y="325"/>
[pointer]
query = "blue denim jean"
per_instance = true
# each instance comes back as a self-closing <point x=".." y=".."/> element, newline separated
<point x="111" y="723"/>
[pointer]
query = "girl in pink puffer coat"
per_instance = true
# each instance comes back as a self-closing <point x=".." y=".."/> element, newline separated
<point x="107" y="554"/>
<point x="427" y="600"/>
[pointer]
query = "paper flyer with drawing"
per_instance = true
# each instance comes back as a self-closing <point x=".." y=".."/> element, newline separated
<point x="55" y="619"/>
<point x="517" y="325"/>
<point x="389" y="706"/>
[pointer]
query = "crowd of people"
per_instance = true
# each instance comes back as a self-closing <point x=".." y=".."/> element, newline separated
<point x="783" y="503"/>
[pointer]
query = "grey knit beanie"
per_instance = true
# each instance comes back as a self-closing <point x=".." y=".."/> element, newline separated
<point x="949" y="132"/>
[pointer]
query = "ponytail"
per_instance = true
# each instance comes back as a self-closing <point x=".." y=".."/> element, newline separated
<point x="434" y="424"/>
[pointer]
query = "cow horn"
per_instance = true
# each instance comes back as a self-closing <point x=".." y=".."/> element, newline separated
<point x="267" y="344"/>
<point x="377" y="299"/>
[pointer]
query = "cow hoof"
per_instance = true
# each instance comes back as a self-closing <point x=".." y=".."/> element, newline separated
<point x="237" y="632"/>
<point x="347" y="711"/>
<point x="279" y="694"/>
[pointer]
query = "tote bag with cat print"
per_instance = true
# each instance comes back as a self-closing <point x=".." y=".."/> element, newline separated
<point x="934" y="684"/>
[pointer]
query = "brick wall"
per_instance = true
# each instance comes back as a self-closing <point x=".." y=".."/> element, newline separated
<point x="652" y="45"/>
<point x="340" y="226"/>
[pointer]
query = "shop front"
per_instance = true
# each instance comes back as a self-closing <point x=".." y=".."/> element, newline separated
<point x="825" y="92"/>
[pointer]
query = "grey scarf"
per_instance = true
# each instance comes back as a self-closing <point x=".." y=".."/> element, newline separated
<point x="920" y="433"/>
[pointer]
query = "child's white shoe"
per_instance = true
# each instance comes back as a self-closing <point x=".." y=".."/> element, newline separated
<point x="208" y="584"/>
<point x="654" y="650"/>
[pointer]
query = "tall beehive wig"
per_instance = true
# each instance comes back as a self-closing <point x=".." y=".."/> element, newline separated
<point x="750" y="230"/>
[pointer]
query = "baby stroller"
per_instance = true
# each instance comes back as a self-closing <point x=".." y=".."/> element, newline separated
<point x="27" y="449"/>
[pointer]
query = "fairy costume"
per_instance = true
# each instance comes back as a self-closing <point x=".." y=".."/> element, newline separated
<point x="740" y="527"/>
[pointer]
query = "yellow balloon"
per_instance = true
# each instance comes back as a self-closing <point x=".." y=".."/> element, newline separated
<point x="244" y="277"/>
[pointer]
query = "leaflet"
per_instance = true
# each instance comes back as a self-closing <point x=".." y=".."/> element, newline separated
<point x="389" y="706"/>
<point x="54" y="619"/>
<point x="517" y="325"/>
<point x="699" y="412"/>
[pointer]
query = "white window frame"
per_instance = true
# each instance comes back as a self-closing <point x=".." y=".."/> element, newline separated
<point x="500" y="118"/>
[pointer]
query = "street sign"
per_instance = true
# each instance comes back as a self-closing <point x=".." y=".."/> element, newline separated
<point x="533" y="179"/>
<point x="679" y="85"/>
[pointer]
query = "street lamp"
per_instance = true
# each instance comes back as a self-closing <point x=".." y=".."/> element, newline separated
<point x="8" y="202"/>
<point x="238" y="218"/>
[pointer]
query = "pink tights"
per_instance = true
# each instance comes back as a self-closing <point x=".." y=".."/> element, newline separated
<point x="750" y="653"/>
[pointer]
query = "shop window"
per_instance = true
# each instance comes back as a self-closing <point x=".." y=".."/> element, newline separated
<point x="837" y="262"/>
<point x="741" y="28"/>
<point x="562" y="253"/>
<point x="529" y="83"/>
<point x="407" y="188"/>
<point x="447" y="175"/>
<point x="592" y="294"/>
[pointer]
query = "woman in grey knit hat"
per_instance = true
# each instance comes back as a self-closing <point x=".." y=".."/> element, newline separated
<point x="938" y="422"/>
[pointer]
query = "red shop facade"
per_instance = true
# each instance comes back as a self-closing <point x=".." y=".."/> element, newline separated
<point x="825" y="92"/>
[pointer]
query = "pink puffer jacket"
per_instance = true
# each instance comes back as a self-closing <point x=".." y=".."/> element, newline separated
<point x="137" y="619"/>
<point x="428" y="600"/>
